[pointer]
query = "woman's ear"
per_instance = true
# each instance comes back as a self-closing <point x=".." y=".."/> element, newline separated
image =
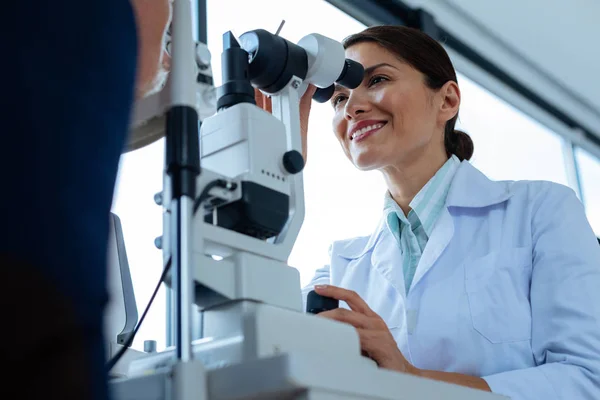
<point x="450" y="100"/>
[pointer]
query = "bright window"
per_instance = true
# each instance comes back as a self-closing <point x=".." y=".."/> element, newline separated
<point x="509" y="145"/>
<point x="589" y="172"/>
<point x="140" y="177"/>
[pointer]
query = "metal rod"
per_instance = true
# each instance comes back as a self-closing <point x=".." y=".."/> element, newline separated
<point x="280" y="27"/>
<point x="183" y="279"/>
<point x="169" y="317"/>
<point x="183" y="164"/>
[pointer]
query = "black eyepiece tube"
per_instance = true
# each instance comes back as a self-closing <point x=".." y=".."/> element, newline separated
<point x="236" y="86"/>
<point x="324" y="94"/>
<point x="352" y="74"/>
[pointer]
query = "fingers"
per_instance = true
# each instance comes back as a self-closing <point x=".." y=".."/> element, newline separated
<point x="258" y="97"/>
<point x="370" y="336"/>
<point x="266" y="103"/>
<point x="354" y="301"/>
<point x="381" y="347"/>
<point x="357" y="320"/>
<point x="374" y="344"/>
<point x="307" y="96"/>
<point x="305" y="104"/>
<point x="263" y="101"/>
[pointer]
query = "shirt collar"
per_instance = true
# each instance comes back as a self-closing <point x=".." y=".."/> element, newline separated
<point x="469" y="188"/>
<point x="472" y="189"/>
<point x="428" y="202"/>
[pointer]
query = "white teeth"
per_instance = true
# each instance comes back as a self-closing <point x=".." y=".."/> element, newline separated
<point x="365" y="130"/>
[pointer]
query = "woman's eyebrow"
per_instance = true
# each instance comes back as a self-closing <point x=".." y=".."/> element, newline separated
<point x="368" y="71"/>
<point x="372" y="68"/>
<point x="338" y="88"/>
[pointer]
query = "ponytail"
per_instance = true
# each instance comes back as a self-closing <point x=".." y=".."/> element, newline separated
<point x="458" y="143"/>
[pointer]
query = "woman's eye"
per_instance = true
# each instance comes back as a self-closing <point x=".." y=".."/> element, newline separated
<point x="337" y="99"/>
<point x="376" y="79"/>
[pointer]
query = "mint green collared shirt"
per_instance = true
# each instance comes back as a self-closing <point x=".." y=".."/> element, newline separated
<point x="413" y="231"/>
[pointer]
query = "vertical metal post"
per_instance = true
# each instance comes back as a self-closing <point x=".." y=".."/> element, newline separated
<point x="183" y="167"/>
<point x="200" y="21"/>
<point x="169" y="317"/>
<point x="182" y="215"/>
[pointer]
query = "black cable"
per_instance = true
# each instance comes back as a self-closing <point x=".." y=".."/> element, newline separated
<point x="113" y="361"/>
<point x="204" y="195"/>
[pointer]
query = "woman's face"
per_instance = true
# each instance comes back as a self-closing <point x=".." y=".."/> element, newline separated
<point x="153" y="17"/>
<point x="392" y="117"/>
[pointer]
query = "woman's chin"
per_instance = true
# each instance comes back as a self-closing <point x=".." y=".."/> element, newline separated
<point x="365" y="161"/>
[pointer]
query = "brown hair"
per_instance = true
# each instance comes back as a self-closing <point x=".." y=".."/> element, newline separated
<point x="428" y="57"/>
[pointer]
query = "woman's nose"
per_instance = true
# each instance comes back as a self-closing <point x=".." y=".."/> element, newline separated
<point x="355" y="105"/>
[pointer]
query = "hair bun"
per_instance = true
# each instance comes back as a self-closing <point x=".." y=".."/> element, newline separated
<point x="462" y="145"/>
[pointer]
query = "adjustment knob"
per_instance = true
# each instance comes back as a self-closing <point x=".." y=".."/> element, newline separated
<point x="203" y="56"/>
<point x="158" y="199"/>
<point x="315" y="303"/>
<point x="293" y="162"/>
<point x="149" y="346"/>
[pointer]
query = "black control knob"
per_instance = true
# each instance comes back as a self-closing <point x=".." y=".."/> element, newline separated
<point x="315" y="303"/>
<point x="293" y="162"/>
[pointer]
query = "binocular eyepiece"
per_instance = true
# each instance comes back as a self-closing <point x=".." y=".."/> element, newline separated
<point x="269" y="62"/>
<point x="351" y="76"/>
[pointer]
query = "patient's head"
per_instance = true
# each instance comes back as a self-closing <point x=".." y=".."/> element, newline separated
<point x="153" y="18"/>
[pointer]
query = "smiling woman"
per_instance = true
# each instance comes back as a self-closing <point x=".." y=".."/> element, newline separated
<point x="460" y="307"/>
<point x="409" y="96"/>
<point x="458" y="282"/>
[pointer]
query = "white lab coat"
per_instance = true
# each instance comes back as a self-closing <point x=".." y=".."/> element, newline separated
<point x="507" y="288"/>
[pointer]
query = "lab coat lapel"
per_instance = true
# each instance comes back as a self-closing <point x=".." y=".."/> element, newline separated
<point x="470" y="189"/>
<point x="440" y="237"/>
<point x="387" y="259"/>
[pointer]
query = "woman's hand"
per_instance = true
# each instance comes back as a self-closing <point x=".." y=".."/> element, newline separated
<point x="264" y="102"/>
<point x="376" y="341"/>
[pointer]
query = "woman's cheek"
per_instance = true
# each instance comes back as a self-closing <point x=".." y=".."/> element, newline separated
<point x="339" y="124"/>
